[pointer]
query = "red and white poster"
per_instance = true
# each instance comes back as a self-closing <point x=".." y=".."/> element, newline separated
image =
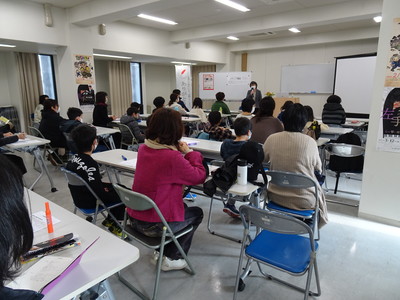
<point x="208" y="82"/>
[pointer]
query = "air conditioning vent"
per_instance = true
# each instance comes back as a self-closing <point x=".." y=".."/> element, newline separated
<point x="263" y="34"/>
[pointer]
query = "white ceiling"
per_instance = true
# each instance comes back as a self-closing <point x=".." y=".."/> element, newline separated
<point x="210" y="20"/>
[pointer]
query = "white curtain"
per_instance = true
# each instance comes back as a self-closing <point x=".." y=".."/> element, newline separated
<point x="120" y="86"/>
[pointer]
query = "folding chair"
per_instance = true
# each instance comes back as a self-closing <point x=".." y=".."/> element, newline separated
<point x="141" y="202"/>
<point x="295" y="181"/>
<point x="91" y="214"/>
<point x="128" y="138"/>
<point x="281" y="242"/>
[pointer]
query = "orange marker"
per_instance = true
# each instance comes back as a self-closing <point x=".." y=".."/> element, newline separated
<point x="49" y="219"/>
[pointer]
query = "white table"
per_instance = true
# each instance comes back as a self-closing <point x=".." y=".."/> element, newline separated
<point x="209" y="149"/>
<point x="105" y="258"/>
<point x="334" y="132"/>
<point x="31" y="145"/>
<point x="106" y="133"/>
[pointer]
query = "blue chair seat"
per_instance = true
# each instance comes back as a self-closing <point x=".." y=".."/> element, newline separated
<point x="285" y="251"/>
<point x="303" y="213"/>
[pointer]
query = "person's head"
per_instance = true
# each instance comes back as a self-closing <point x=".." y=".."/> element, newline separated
<point x="295" y="118"/>
<point x="214" y="118"/>
<point x="310" y="113"/>
<point x="16" y="228"/>
<point x="132" y="111"/>
<point x="220" y="96"/>
<point x="334" y="99"/>
<point x="101" y="97"/>
<point x="42" y="98"/>
<point x="242" y="126"/>
<point x="50" y="104"/>
<point x="85" y="138"/>
<point x="267" y="106"/>
<point x="173" y="98"/>
<point x="159" y="102"/>
<point x="166" y="127"/>
<point x="136" y="105"/>
<point x="247" y="105"/>
<point x="286" y="104"/>
<point x="253" y="85"/>
<point x="74" y="113"/>
<point x="176" y="91"/>
<point x="197" y="103"/>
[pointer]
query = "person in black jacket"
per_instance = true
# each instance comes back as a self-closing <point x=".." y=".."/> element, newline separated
<point x="51" y="122"/>
<point x="333" y="112"/>
<point x="9" y="138"/>
<point x="100" y="114"/>
<point x="82" y="163"/>
<point x="131" y="120"/>
<point x="15" y="240"/>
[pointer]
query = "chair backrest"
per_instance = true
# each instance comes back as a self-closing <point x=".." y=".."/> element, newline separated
<point x="273" y="221"/>
<point x="127" y="133"/>
<point x="35" y="132"/>
<point x="133" y="199"/>
<point x="345" y="150"/>
<point x="204" y="136"/>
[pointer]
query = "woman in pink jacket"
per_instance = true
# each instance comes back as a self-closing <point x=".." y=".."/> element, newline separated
<point x="164" y="166"/>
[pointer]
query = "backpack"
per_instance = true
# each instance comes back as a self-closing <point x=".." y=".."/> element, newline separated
<point x="314" y="130"/>
<point x="225" y="176"/>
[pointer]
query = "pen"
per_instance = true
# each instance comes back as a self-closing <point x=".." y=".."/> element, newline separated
<point x="123" y="157"/>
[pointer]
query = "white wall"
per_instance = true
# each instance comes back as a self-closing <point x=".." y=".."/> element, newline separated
<point x="102" y="79"/>
<point x="4" y="88"/>
<point x="380" y="190"/>
<point x="266" y="65"/>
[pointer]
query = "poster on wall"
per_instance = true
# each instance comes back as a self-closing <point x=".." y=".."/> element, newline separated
<point x="84" y="69"/>
<point x="208" y="82"/>
<point x="389" y="126"/>
<point x="184" y="83"/>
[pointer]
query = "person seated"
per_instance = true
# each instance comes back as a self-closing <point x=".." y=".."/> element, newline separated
<point x="158" y="102"/>
<point x="82" y="163"/>
<point x="173" y="104"/>
<point x="138" y="107"/>
<point x="311" y="119"/>
<point x="283" y="108"/>
<point x="264" y="124"/>
<point x="15" y="221"/>
<point x="293" y="151"/>
<point x="215" y="131"/>
<point x="9" y="138"/>
<point x="220" y="105"/>
<point x="164" y="165"/>
<point x="247" y="109"/>
<point x="100" y="113"/>
<point x="74" y="119"/>
<point x="180" y="102"/>
<point x="131" y="120"/>
<point x="230" y="147"/>
<point x="37" y="115"/>
<point x="197" y="109"/>
<point x="333" y="112"/>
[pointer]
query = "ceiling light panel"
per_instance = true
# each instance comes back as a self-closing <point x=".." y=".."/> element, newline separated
<point x="7" y="46"/>
<point x="233" y="5"/>
<point x="112" y="56"/>
<point x="294" y="29"/>
<point x="157" y="19"/>
<point x="233" y="38"/>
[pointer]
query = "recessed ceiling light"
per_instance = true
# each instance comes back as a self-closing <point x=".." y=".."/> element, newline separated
<point x="294" y="29"/>
<point x="182" y="63"/>
<point x="157" y="19"/>
<point x="7" y="46"/>
<point x="233" y="5"/>
<point x="112" y="56"/>
<point x="233" y="38"/>
<point x="378" y="19"/>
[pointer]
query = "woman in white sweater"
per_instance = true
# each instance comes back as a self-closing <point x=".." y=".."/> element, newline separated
<point x="293" y="151"/>
<point x="173" y="104"/>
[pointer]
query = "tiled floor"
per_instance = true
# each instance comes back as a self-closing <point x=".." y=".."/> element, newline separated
<point x="358" y="259"/>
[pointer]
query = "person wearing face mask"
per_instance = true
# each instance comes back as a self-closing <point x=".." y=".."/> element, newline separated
<point x="50" y="127"/>
<point x="82" y="163"/>
<point x="247" y="109"/>
<point x="242" y="127"/>
<point x="255" y="94"/>
<point x="180" y="102"/>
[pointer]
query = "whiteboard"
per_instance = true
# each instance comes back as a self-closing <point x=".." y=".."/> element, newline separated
<point x="314" y="79"/>
<point x="233" y="84"/>
<point x="354" y="80"/>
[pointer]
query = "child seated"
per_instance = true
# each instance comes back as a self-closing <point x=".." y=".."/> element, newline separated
<point x="131" y="120"/>
<point x="215" y="131"/>
<point x="247" y="109"/>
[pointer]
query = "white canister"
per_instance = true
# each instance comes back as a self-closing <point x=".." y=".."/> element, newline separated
<point x="242" y="171"/>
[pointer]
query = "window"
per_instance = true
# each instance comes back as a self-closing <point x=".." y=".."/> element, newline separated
<point x="136" y="83"/>
<point x="47" y="75"/>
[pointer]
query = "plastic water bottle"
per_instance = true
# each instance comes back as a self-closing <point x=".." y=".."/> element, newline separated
<point x="242" y="171"/>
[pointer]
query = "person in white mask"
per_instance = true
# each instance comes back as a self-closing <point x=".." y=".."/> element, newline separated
<point x="255" y="94"/>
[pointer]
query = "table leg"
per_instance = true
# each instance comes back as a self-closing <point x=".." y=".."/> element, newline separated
<point x="43" y="169"/>
<point x="111" y="141"/>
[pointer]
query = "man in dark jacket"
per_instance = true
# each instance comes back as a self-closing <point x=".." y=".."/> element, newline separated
<point x="51" y="122"/>
<point x="131" y="120"/>
<point x="333" y="112"/>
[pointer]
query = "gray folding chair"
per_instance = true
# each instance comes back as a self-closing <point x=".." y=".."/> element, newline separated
<point x="141" y="202"/>
<point x="128" y="138"/>
<point x="91" y="214"/>
<point x="283" y="243"/>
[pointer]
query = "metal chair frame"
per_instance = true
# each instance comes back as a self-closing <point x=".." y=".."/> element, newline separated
<point x="125" y="128"/>
<point x="141" y="202"/>
<point x="281" y="235"/>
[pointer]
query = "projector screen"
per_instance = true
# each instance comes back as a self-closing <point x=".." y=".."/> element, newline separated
<point x="354" y="77"/>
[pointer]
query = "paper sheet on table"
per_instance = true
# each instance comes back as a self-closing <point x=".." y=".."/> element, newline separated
<point x="129" y="163"/>
<point x="39" y="221"/>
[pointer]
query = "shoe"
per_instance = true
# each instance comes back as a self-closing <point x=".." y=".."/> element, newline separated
<point x="170" y="264"/>
<point x="108" y="222"/>
<point x="116" y="230"/>
<point x="154" y="257"/>
<point x="231" y="210"/>
<point x="190" y="197"/>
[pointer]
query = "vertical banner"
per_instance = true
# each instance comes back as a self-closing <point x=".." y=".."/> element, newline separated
<point x="184" y="83"/>
<point x="389" y="125"/>
<point x="84" y="79"/>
